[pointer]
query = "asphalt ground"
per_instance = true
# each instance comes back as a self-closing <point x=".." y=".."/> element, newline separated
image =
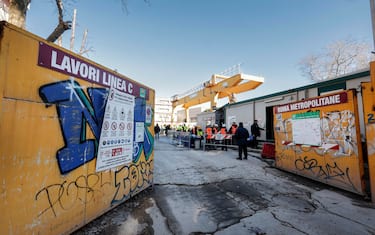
<point x="210" y="192"/>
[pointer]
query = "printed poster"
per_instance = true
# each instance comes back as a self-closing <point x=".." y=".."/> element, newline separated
<point x="148" y="114"/>
<point x="139" y="132"/>
<point x="116" y="138"/>
<point x="303" y="121"/>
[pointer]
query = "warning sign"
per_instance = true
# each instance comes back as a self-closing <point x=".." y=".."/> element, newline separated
<point x="116" y="145"/>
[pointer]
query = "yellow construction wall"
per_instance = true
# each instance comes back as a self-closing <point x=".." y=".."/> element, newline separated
<point x="319" y="138"/>
<point x="369" y="114"/>
<point x="49" y="133"/>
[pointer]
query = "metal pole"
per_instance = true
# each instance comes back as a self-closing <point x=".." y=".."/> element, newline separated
<point x="372" y="8"/>
<point x="73" y="30"/>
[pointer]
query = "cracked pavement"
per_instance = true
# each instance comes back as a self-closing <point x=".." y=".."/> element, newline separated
<point x="211" y="192"/>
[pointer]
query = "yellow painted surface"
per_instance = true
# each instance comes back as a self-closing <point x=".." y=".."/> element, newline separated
<point x="338" y="159"/>
<point x="36" y="196"/>
<point x="369" y="115"/>
<point x="224" y="87"/>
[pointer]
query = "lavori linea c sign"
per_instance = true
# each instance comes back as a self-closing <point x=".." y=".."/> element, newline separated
<point x="60" y="61"/>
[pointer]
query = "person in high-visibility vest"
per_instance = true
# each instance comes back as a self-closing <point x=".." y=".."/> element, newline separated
<point x="232" y="131"/>
<point x="209" y="134"/>
<point x="200" y="132"/>
<point x="223" y="132"/>
<point x="233" y="128"/>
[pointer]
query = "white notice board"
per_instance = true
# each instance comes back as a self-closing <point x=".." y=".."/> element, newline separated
<point x="116" y="137"/>
<point x="306" y="128"/>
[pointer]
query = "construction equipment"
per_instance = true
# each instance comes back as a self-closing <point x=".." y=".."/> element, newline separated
<point x="219" y="86"/>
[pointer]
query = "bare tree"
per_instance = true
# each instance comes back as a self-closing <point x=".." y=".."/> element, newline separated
<point x="62" y="26"/>
<point x="84" y="49"/>
<point x="339" y="58"/>
<point x="16" y="14"/>
<point x="17" y="11"/>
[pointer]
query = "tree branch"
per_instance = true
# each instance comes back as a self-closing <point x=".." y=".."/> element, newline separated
<point x="62" y="25"/>
<point x="337" y="59"/>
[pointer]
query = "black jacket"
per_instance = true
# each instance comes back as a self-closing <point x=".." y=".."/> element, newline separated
<point x="255" y="130"/>
<point x="241" y="135"/>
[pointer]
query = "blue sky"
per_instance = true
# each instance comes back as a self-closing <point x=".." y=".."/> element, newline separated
<point x="175" y="45"/>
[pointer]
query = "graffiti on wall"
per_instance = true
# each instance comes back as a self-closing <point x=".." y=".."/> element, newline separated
<point x="65" y="195"/>
<point x="331" y="172"/>
<point x="339" y="139"/>
<point x="82" y="190"/>
<point x="76" y="111"/>
<point x="130" y="179"/>
<point x="338" y="134"/>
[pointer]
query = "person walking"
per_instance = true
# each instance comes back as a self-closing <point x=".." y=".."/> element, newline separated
<point x="157" y="131"/>
<point x="167" y="128"/>
<point x="255" y="132"/>
<point x="242" y="134"/>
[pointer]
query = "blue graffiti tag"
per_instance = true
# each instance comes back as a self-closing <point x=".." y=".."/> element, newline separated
<point x="147" y="145"/>
<point x="75" y="110"/>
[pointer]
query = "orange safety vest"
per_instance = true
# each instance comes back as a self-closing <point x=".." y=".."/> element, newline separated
<point x="209" y="132"/>
<point x="233" y="130"/>
<point x="223" y="131"/>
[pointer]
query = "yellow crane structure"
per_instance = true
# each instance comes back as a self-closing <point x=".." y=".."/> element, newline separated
<point x="219" y="86"/>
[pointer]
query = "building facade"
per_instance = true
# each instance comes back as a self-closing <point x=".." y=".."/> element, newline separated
<point x="261" y="108"/>
<point x="163" y="111"/>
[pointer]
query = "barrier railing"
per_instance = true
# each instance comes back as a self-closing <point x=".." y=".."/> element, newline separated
<point x="218" y="140"/>
<point x="224" y="141"/>
<point x="185" y="139"/>
<point x="188" y="140"/>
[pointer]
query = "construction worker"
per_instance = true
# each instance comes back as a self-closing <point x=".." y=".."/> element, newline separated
<point x="232" y="131"/>
<point x="200" y="132"/>
<point x="184" y="128"/>
<point x="209" y="134"/>
<point x="233" y="128"/>
<point x="199" y="135"/>
<point x="223" y="132"/>
<point x="217" y="136"/>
